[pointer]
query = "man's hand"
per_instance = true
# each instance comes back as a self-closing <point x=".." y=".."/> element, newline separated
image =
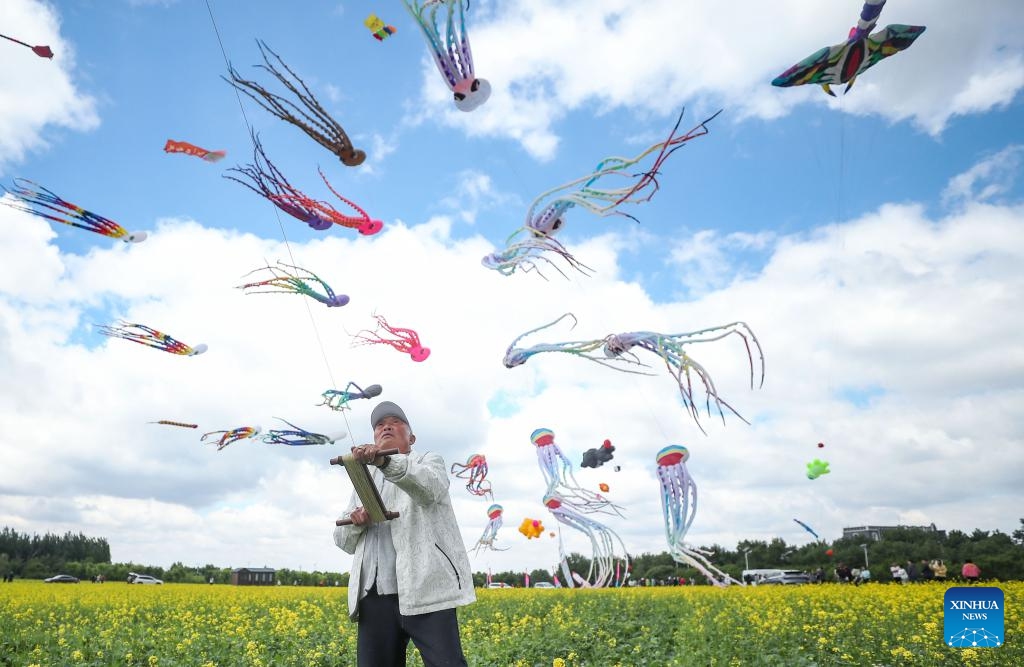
<point x="368" y="454"/>
<point x="359" y="517"/>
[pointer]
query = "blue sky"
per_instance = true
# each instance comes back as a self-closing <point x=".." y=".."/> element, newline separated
<point x="871" y="241"/>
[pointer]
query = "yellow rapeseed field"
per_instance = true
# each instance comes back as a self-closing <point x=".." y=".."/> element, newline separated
<point x="224" y="626"/>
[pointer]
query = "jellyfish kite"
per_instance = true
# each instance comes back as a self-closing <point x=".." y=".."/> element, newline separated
<point x="546" y="214"/>
<point x="266" y="180"/>
<point x="140" y="333"/>
<point x="595" y="457"/>
<point x="451" y="52"/>
<point x="286" y="278"/>
<point x="310" y="117"/>
<point x="297" y="436"/>
<point x="41" y="51"/>
<point x="603" y="541"/>
<point x="474" y="471"/>
<point x="403" y="340"/>
<point x="338" y="400"/>
<point x="679" y="507"/>
<point x="490" y="533"/>
<point x="378" y="28"/>
<point x="173" y="146"/>
<point x="843" y="62"/>
<point x="557" y="471"/>
<point x="531" y="528"/>
<point x="234" y="435"/>
<point x="817" y="468"/>
<point x="807" y="528"/>
<point x="35" y="199"/>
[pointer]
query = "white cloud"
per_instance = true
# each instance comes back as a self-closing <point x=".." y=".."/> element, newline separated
<point x="992" y="177"/>
<point x="475" y="193"/>
<point x="37" y="94"/>
<point x="612" y="54"/>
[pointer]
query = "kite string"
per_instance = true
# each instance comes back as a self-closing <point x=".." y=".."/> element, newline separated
<point x="277" y="214"/>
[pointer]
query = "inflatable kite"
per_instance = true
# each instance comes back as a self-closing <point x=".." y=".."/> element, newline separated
<point x="474" y="471"/>
<point x="338" y="400"/>
<point x="451" y="52"/>
<point x="404" y="340"/>
<point x="807" y="528"/>
<point x="299" y="437"/>
<point x="41" y="51"/>
<point x="173" y="146"/>
<point x="817" y="468"/>
<point x="679" y="507"/>
<point x="843" y="62"/>
<point x="531" y="528"/>
<point x="377" y="27"/>
<point x="546" y="214"/>
<point x="557" y="471"/>
<point x="490" y="533"/>
<point x="602" y="541"/>
<point x="598" y="456"/>
<point x="35" y="199"/>
<point x="263" y="178"/>
<point x="140" y="333"/>
<point x="167" y="422"/>
<point x="286" y="278"/>
<point x="310" y="117"/>
<point x="604" y="487"/>
<point x="669" y="347"/>
<point x="234" y="435"/>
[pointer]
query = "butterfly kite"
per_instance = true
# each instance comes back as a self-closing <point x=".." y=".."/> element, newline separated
<point x="403" y="340"/>
<point x="843" y="62"/>
<point x="299" y="437"/>
<point x="234" y="435"/>
<point x="41" y="51"/>
<point x="173" y="146"/>
<point x="140" y="333"/>
<point x="310" y="117"/>
<point x="35" y="199"/>
<point x="286" y="278"/>
<point x="451" y="51"/>
<point x="338" y="399"/>
<point x="474" y="471"/>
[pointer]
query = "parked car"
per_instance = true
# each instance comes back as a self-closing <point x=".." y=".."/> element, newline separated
<point x="143" y="579"/>
<point x="787" y="577"/>
<point x="498" y="584"/>
<point x="544" y="584"/>
<point x="62" y="579"/>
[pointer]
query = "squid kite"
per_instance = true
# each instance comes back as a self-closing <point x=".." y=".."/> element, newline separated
<point x="843" y="62"/>
<point x="266" y="180"/>
<point x="474" y="471"/>
<point x="531" y="528"/>
<point x="807" y="528"/>
<point x="168" y="422"/>
<point x="41" y="51"/>
<point x="817" y="468"/>
<point x="490" y="533"/>
<point x="546" y="214"/>
<point x="378" y="28"/>
<point x="602" y="541"/>
<point x="617" y="349"/>
<point x="35" y="199"/>
<point x="451" y="52"/>
<point x="596" y="457"/>
<point x="557" y="471"/>
<point x="140" y="333"/>
<point x="173" y="146"/>
<point x="234" y="435"/>
<point x="296" y="280"/>
<point x="311" y="118"/>
<point x="405" y="340"/>
<point x="298" y="437"/>
<point x="679" y="507"/>
<point x="338" y="400"/>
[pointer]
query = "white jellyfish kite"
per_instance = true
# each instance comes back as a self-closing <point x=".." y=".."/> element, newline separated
<point x="605" y="565"/>
<point x="557" y="470"/>
<point x="490" y="533"/>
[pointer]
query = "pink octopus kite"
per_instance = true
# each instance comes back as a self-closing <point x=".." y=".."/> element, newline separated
<point x="404" y="340"/>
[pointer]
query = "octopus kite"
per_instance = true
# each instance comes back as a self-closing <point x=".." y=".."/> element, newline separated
<point x="404" y="340"/>
<point x="490" y="533"/>
<point x="669" y="347"/>
<point x="41" y="51"/>
<point x="168" y="422"/>
<point x="299" y="437"/>
<point x="474" y="471"/>
<point x="234" y="435"/>
<point x="311" y="118"/>
<point x="679" y="506"/>
<point x="546" y="215"/>
<point x="338" y="400"/>
<point x="35" y="199"/>
<point x="263" y="178"/>
<point x="293" y="279"/>
<point x="140" y="333"/>
<point x="173" y="146"/>
<point x="843" y="62"/>
<point x="451" y="52"/>
<point x="557" y="471"/>
<point x="602" y="542"/>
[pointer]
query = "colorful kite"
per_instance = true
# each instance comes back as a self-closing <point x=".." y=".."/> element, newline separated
<point x="377" y="27"/>
<point x="531" y="528"/>
<point x="338" y="400"/>
<point x="807" y="528"/>
<point x="311" y="118"/>
<point x="35" y="199"/>
<point x="405" y="340"/>
<point x="451" y="52"/>
<point x="557" y="471"/>
<point x="168" y="422"/>
<point x="140" y="333"/>
<point x="234" y="435"/>
<point x="669" y="347"/>
<point x="546" y="215"/>
<point x="595" y="457"/>
<point x="474" y="471"/>
<point x="843" y="62"/>
<point x="602" y="541"/>
<point x="296" y="280"/>
<point x="173" y="146"/>
<point x="41" y="51"/>
<point x="263" y="178"/>
<point x="299" y="437"/>
<point x="604" y="487"/>
<point x="817" y="468"/>
<point x="490" y="533"/>
<point x="679" y="507"/>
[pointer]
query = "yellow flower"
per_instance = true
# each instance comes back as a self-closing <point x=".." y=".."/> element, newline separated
<point x="558" y="662"/>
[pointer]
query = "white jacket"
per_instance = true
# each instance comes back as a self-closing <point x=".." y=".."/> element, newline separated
<point x="431" y="562"/>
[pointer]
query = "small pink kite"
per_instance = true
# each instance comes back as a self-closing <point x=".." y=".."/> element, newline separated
<point x="406" y="340"/>
<point x="41" y="51"/>
<point x="173" y="146"/>
<point x="140" y="333"/>
<point x="234" y="435"/>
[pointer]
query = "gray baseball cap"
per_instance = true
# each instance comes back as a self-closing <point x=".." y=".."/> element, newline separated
<point x="387" y="409"/>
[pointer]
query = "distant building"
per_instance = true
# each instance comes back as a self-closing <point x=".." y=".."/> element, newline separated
<point x="875" y="532"/>
<point x="252" y="576"/>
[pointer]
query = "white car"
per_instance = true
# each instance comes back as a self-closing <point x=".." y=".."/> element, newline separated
<point x="145" y="579"/>
<point x="498" y="584"/>
<point x="544" y="584"/>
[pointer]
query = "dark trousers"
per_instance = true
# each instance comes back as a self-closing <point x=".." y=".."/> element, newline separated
<point x="384" y="634"/>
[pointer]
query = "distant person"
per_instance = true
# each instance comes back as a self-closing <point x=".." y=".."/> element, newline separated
<point x="970" y="572"/>
<point x="926" y="570"/>
<point x="211" y="581"/>
<point x="939" y="570"/>
<point x="865" y="577"/>
<point x="902" y="575"/>
<point x="912" y="574"/>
